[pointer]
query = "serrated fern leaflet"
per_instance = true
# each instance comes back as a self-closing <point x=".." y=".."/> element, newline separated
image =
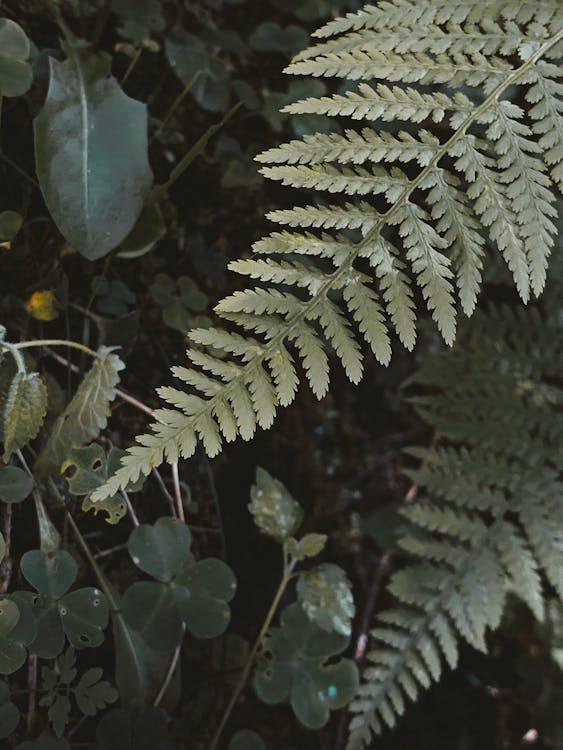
<point x="486" y="73"/>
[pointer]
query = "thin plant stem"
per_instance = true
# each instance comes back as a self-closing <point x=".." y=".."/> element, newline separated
<point x="32" y="688"/>
<point x="178" y="492"/>
<point x="131" y="66"/>
<point x="6" y="564"/>
<point x="119" y="391"/>
<point x="50" y="342"/>
<point x="173" y="664"/>
<point x="130" y="508"/>
<point x="287" y="576"/>
<point x="156" y="474"/>
<point x="175" y="104"/>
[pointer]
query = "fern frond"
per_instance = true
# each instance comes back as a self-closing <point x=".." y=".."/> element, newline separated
<point x="495" y="520"/>
<point x="346" y="273"/>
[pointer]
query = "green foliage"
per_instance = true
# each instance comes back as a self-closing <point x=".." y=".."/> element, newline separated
<point x="9" y="713"/>
<point x="17" y="631"/>
<point x="182" y="302"/>
<point x="85" y="415"/>
<point x="10" y="224"/>
<point x="15" y="484"/>
<point x="90" y="146"/>
<point x="23" y="409"/>
<point x="90" y="692"/>
<point x="293" y="666"/>
<point x="493" y="524"/>
<point x="246" y="739"/>
<point x="116" y="731"/>
<point x="275" y="512"/>
<point x="81" y="615"/>
<point x="16" y="74"/>
<point x="187" y="593"/>
<point x="434" y="199"/>
<point x="326" y="596"/>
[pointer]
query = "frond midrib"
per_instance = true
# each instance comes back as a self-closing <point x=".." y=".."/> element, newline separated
<point x="339" y="273"/>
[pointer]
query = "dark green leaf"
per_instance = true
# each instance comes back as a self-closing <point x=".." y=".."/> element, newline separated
<point x="59" y="713"/>
<point x="92" y="694"/>
<point x="16" y="74"/>
<point x="91" y="153"/>
<point x="10" y="224"/>
<point x="161" y="550"/>
<point x="246" y="739"/>
<point x="13" y="651"/>
<point x="9" y="713"/>
<point x="50" y="574"/>
<point x="15" y="484"/>
<point x="210" y="583"/>
<point x="151" y="609"/>
<point x="270" y="36"/>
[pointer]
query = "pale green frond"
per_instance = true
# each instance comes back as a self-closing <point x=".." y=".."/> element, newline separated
<point x="364" y="307"/>
<point x="284" y="272"/>
<point x="350" y="216"/>
<point x="384" y="103"/>
<point x="338" y="332"/>
<point x="306" y="243"/>
<point x="260" y="301"/>
<point x="263" y="395"/>
<point x="546" y="96"/>
<point x="355" y="148"/>
<point x="284" y="374"/>
<point x="529" y="188"/>
<point x="458" y="225"/>
<point x="522" y="569"/>
<point x="432" y="268"/>
<point x="395" y="286"/>
<point x="348" y="180"/>
<point x="456" y="69"/>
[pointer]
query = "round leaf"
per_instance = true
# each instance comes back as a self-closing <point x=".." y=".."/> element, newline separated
<point x="16" y="74"/>
<point x="15" y="484"/>
<point x="210" y="584"/>
<point x="161" y="550"/>
<point x="13" y="652"/>
<point x="50" y="574"/>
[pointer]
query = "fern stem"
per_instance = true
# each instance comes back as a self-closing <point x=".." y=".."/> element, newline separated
<point x="335" y="279"/>
<point x="50" y="342"/>
<point x="287" y="576"/>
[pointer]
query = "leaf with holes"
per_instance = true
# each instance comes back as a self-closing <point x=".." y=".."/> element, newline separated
<point x="85" y="415"/>
<point x="16" y="74"/>
<point x="81" y="615"/>
<point x="91" y="153"/>
<point x="293" y="666"/>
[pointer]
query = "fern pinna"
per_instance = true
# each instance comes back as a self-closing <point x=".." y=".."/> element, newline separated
<point x="495" y="521"/>
<point x="461" y="148"/>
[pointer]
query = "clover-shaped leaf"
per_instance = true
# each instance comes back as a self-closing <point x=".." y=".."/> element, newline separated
<point x="89" y="467"/>
<point x="292" y="666"/>
<point x="81" y="615"/>
<point x="92" y="693"/>
<point x="190" y="593"/>
<point x="275" y="512"/>
<point x="182" y="301"/>
<point x="9" y="712"/>
<point x="17" y="631"/>
<point x="326" y="596"/>
<point x="270" y="36"/>
<point x="16" y="74"/>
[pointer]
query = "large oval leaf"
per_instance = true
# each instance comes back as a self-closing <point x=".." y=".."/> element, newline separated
<point x="91" y="153"/>
<point x="16" y="74"/>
